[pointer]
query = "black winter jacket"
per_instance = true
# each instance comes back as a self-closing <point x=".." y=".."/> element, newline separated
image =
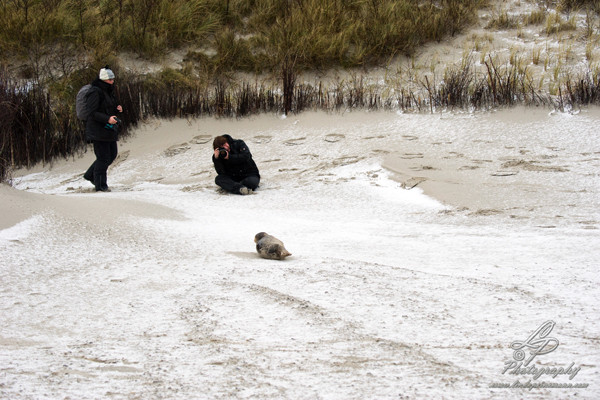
<point x="102" y="100"/>
<point x="240" y="163"/>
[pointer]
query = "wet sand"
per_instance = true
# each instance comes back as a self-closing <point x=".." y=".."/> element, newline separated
<point x="512" y="162"/>
<point x="481" y="187"/>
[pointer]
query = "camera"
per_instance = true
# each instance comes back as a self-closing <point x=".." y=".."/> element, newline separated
<point x="222" y="152"/>
<point x="112" y="126"/>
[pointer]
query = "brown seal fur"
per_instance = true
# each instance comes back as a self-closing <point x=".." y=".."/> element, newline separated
<point x="270" y="247"/>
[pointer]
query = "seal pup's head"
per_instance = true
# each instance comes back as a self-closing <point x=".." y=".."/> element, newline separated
<point x="259" y="236"/>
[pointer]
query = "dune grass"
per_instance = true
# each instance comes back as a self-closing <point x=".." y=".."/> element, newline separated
<point x="254" y="35"/>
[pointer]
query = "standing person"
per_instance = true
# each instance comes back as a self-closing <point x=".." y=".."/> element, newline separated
<point x="102" y="127"/>
<point x="237" y="171"/>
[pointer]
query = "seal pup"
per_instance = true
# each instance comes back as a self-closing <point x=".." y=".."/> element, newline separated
<point x="270" y="247"/>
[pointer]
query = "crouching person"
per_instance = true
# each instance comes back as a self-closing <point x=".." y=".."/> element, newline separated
<point x="236" y="170"/>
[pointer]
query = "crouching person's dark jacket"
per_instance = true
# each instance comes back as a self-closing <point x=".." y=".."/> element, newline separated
<point x="240" y="163"/>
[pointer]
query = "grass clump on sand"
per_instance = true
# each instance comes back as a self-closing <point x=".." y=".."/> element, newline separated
<point x="503" y="21"/>
<point x="572" y="5"/>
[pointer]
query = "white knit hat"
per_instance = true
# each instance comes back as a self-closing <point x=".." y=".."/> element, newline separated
<point x="106" y="74"/>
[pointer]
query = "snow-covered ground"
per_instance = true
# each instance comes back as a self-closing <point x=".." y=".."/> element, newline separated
<point x="155" y="289"/>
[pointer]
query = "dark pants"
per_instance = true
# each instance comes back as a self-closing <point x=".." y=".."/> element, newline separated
<point x="105" y="152"/>
<point x="233" y="186"/>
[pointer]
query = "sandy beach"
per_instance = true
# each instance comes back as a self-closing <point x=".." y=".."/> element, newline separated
<point x="434" y="255"/>
<point x="423" y="246"/>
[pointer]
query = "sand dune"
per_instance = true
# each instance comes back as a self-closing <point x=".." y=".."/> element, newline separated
<point x="423" y="246"/>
